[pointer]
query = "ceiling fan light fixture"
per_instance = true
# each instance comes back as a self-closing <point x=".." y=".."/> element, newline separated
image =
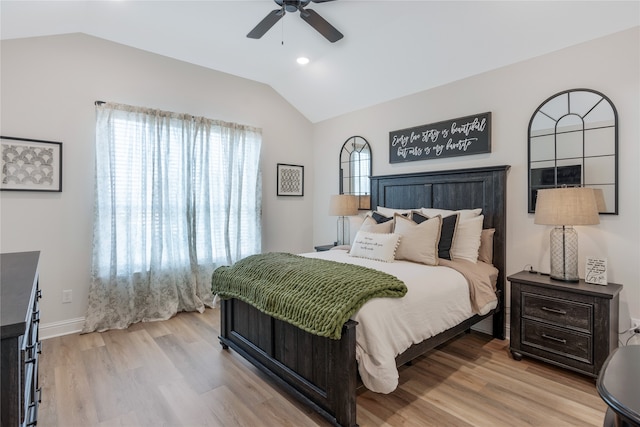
<point x="303" y="60"/>
<point x="308" y="15"/>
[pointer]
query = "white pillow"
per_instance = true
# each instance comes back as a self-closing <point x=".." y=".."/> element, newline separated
<point x="464" y="213"/>
<point x="418" y="242"/>
<point x="467" y="240"/>
<point x="370" y="224"/>
<point x="390" y="212"/>
<point x="381" y="247"/>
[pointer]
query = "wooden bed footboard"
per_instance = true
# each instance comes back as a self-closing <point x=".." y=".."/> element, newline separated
<point x="319" y="371"/>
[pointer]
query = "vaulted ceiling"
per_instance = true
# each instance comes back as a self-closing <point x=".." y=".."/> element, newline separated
<point x="390" y="48"/>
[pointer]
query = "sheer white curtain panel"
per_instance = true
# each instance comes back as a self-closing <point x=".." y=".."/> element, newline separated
<point x="176" y="196"/>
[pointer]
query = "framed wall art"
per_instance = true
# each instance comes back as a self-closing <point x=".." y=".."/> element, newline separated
<point x="290" y="180"/>
<point x="30" y="165"/>
<point x="461" y="136"/>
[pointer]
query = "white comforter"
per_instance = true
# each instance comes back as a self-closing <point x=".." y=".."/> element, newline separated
<point x="437" y="299"/>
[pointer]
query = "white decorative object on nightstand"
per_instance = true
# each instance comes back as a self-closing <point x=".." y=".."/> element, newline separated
<point x="596" y="271"/>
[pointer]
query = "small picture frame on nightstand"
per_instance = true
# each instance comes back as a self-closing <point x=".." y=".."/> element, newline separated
<point x="596" y="271"/>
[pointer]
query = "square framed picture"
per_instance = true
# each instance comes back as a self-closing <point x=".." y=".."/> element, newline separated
<point x="30" y="165"/>
<point x="290" y="180"/>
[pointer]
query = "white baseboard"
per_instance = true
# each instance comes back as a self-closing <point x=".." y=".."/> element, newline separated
<point x="65" y="327"/>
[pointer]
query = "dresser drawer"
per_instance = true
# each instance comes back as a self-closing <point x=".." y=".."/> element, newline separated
<point x="563" y="342"/>
<point x="557" y="311"/>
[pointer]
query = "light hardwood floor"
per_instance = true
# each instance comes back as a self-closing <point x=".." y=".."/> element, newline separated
<point x="174" y="373"/>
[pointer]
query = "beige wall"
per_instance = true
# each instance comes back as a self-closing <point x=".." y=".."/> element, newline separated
<point x="49" y="85"/>
<point x="610" y="65"/>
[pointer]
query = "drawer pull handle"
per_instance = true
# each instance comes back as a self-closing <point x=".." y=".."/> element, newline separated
<point x="554" y="310"/>
<point x="549" y="337"/>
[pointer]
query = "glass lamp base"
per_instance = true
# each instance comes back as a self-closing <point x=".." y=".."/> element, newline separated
<point x="344" y="233"/>
<point x="564" y="254"/>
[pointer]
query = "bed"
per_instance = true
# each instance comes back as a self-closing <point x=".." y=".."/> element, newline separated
<point x="323" y="372"/>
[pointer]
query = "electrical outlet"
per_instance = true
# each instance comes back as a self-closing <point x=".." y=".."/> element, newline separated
<point x="66" y="296"/>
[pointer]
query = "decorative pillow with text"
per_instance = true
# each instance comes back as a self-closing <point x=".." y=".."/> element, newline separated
<point x="381" y="247"/>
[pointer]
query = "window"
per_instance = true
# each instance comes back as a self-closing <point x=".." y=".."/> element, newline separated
<point x="176" y="197"/>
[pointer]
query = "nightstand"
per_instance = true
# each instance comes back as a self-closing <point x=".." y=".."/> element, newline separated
<point x="572" y="325"/>
<point x="322" y="248"/>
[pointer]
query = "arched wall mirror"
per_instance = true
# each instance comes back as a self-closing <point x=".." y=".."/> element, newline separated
<point x="355" y="170"/>
<point x="573" y="142"/>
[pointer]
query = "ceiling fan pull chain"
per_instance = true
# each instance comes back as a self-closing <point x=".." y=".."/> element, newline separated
<point x="282" y="28"/>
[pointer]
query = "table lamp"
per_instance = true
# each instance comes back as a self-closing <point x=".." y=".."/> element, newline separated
<point x="602" y="206"/>
<point x="564" y="208"/>
<point x="342" y="206"/>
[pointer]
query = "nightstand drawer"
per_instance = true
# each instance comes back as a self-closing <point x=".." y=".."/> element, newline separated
<point x="560" y="341"/>
<point x="569" y="314"/>
<point x="573" y="325"/>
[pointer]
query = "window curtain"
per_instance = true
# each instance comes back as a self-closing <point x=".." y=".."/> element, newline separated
<point x="176" y="196"/>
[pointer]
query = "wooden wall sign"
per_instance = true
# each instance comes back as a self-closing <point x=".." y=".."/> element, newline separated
<point x="458" y="137"/>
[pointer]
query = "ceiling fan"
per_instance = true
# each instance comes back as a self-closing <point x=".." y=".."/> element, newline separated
<point x="308" y="15"/>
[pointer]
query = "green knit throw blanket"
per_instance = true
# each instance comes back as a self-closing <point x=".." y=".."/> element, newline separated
<point x="316" y="295"/>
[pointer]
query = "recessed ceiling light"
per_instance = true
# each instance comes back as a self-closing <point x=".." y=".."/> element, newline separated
<point x="302" y="60"/>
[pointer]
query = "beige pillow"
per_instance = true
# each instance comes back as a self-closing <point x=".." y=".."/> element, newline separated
<point x="390" y="211"/>
<point x="485" y="253"/>
<point x="369" y="224"/>
<point x="381" y="247"/>
<point x="464" y="213"/>
<point x="418" y="242"/>
<point x="467" y="241"/>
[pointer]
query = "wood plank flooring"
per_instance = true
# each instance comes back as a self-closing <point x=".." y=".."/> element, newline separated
<point x="175" y="373"/>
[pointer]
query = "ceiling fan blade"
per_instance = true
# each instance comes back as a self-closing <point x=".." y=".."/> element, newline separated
<point x="321" y="1"/>
<point x="320" y="25"/>
<point x="266" y="24"/>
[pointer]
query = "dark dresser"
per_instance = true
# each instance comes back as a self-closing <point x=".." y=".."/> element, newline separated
<point x="572" y="325"/>
<point x="20" y="346"/>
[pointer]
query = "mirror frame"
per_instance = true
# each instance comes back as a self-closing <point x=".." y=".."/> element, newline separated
<point x="356" y="144"/>
<point x="555" y="133"/>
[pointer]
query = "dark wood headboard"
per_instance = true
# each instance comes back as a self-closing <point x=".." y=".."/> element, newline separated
<point x="483" y="187"/>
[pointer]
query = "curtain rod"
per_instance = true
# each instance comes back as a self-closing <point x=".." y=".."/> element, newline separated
<point x="99" y="102"/>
